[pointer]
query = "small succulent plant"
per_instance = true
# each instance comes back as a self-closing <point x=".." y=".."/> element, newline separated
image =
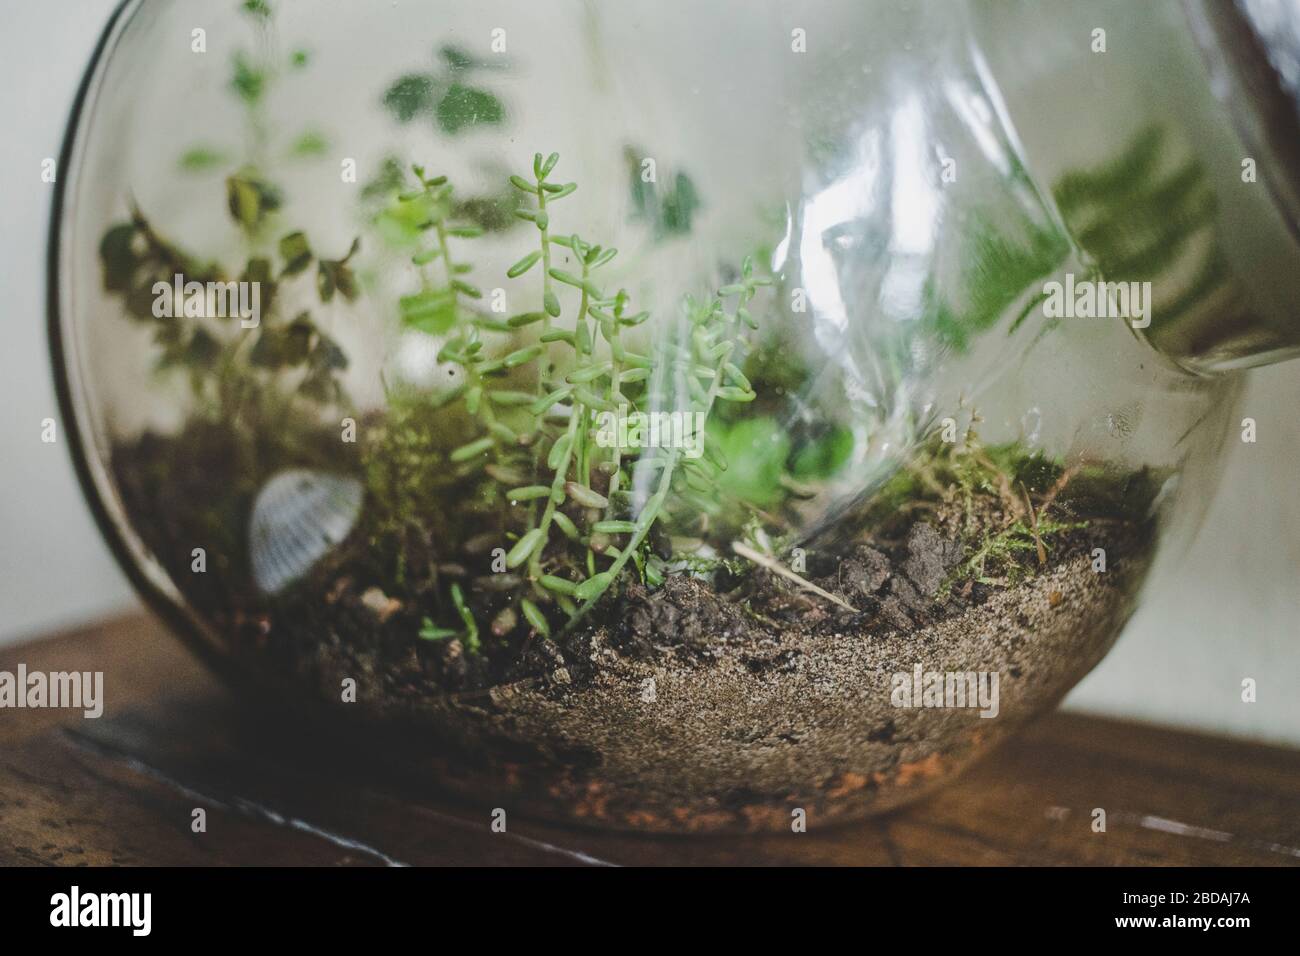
<point x="538" y="404"/>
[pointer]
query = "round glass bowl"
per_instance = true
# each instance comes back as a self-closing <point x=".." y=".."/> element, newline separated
<point x="654" y="418"/>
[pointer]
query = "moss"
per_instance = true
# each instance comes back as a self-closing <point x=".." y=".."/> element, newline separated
<point x="1011" y="479"/>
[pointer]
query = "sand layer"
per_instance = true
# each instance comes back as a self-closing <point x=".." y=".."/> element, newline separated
<point x="698" y="706"/>
<point x="685" y="713"/>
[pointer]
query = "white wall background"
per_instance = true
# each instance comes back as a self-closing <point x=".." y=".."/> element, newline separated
<point x="1229" y="609"/>
<point x="54" y="570"/>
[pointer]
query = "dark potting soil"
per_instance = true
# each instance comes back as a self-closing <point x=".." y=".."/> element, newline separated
<point x="686" y="707"/>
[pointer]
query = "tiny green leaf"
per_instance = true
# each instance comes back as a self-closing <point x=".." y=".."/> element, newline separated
<point x="522" y="356"/>
<point x="200" y="158"/>
<point x="525" y="318"/>
<point x="462" y="107"/>
<point x="593" y="586"/>
<point x="504" y="433"/>
<point x="543" y="405"/>
<point x="566" y="525"/>
<point x="504" y="397"/>
<point x="471" y="450"/>
<point x="591" y="399"/>
<point x="558" y="451"/>
<point x="409" y="96"/>
<point x="528" y="493"/>
<point x="534" y="617"/>
<point x="457" y="58"/>
<point x="432" y="311"/>
<point x="248" y="81"/>
<point x="310" y="143"/>
<point x="582" y="338"/>
<point x="430" y="632"/>
<point x="524" y="264"/>
<point x="581" y="376"/>
<point x="614" y="527"/>
<point x="730" y="393"/>
<point x="250" y="199"/>
<point x="551" y="304"/>
<point x="471" y="628"/>
<point x="558" y="585"/>
<point x="524" y="547"/>
<point x="737" y="376"/>
<point x="584" y="496"/>
<point x="296" y="253"/>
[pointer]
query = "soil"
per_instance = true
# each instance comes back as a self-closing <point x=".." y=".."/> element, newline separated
<point x="707" y="706"/>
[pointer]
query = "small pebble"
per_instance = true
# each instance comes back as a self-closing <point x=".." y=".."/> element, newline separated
<point x="649" y="694"/>
<point x="380" y="604"/>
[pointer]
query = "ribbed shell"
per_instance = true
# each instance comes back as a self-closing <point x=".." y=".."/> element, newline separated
<point x="298" y="516"/>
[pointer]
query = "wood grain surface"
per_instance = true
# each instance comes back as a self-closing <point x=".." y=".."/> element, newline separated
<point x="122" y="789"/>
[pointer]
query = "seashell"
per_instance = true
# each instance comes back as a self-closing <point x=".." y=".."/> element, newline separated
<point x="298" y="516"/>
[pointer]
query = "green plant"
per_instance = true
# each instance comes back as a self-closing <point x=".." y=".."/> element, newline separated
<point x="667" y="210"/>
<point x="1139" y="221"/>
<point x="538" y="402"/>
<point x="247" y="375"/>
<point x="446" y="95"/>
<point x="254" y="75"/>
<point x="705" y="363"/>
<point x="1026" y="488"/>
<point x="233" y="372"/>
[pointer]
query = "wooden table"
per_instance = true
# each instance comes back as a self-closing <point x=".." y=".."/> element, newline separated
<point x="122" y="789"/>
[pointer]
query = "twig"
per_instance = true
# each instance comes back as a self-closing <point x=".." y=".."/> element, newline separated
<point x="1033" y="527"/>
<point x="745" y="551"/>
<point x="1059" y="485"/>
<point x="1009" y="499"/>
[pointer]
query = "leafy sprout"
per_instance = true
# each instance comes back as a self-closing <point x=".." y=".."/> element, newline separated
<point x="446" y="95"/>
<point x="667" y="210"/>
<point x="538" y="384"/>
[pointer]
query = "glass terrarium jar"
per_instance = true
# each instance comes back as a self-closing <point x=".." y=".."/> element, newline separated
<point x="667" y="417"/>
